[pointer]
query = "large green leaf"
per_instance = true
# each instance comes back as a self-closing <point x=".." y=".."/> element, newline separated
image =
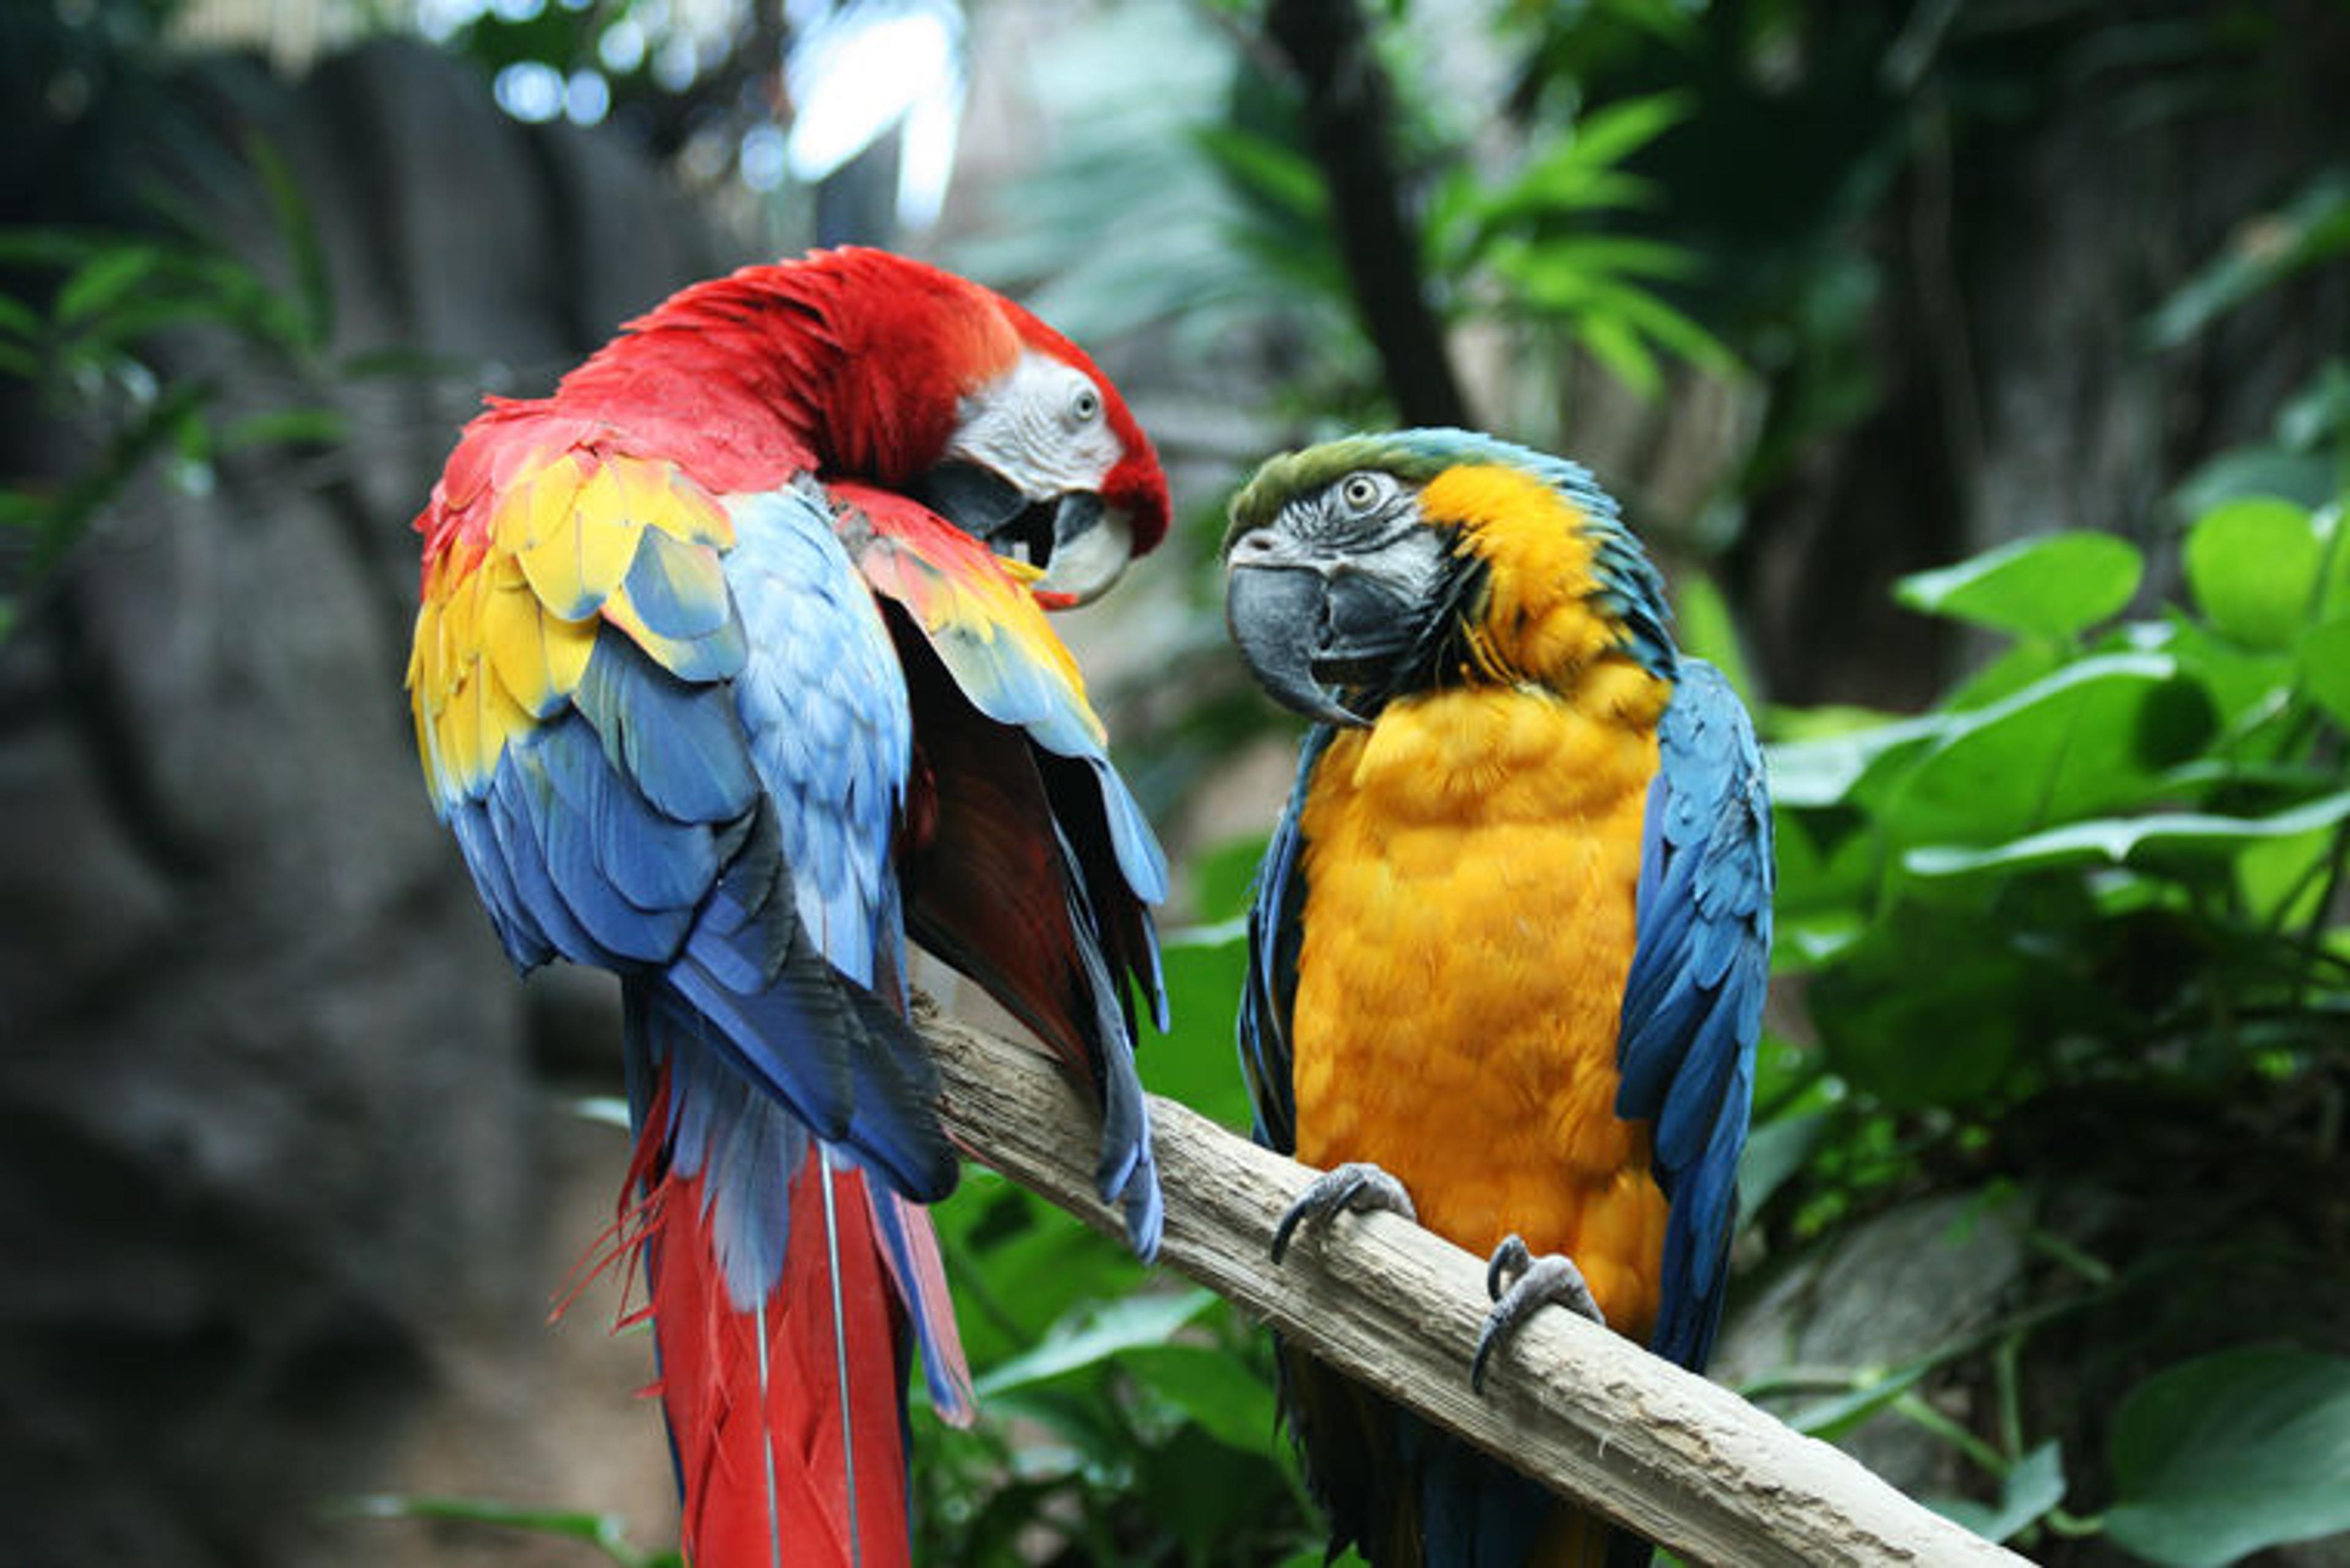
<point x="2253" y="565"/>
<point x="2245" y="684"/>
<point x="1096" y="1334"/>
<point x="2097" y="735"/>
<point x="1827" y="862"/>
<point x="2119" y="840"/>
<point x="2325" y="668"/>
<point x="1819" y="768"/>
<point x="2219" y="1457"/>
<point x="1213" y="1387"/>
<point x="2050" y="586"/>
<point x="1930" y="1006"/>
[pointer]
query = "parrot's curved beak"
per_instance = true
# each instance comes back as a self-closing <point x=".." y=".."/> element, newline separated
<point x="1281" y="620"/>
<point x="1080" y="544"/>
<point x="1092" y="543"/>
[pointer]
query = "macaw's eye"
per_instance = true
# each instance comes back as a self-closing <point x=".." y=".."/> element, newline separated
<point x="1361" y="493"/>
<point x="1085" y="406"/>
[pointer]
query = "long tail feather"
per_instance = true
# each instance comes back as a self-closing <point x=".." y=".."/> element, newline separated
<point x="773" y="1408"/>
<point x="782" y="1346"/>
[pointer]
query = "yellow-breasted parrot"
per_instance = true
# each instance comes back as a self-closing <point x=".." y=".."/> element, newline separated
<point x="730" y="674"/>
<point x="1510" y="940"/>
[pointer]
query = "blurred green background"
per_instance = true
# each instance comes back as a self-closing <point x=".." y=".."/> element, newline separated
<point x="1980" y="369"/>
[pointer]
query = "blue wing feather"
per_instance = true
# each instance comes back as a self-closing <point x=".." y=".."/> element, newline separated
<point x="1271" y="983"/>
<point x="1693" y="1001"/>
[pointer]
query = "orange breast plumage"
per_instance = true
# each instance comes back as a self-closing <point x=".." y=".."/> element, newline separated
<point x="1470" y="866"/>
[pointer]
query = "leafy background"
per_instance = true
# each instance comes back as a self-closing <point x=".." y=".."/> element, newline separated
<point x="1978" y="369"/>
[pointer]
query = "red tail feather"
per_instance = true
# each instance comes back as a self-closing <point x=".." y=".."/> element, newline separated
<point x="758" y="1437"/>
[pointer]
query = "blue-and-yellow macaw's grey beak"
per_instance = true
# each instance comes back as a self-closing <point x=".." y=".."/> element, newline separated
<point x="1336" y="590"/>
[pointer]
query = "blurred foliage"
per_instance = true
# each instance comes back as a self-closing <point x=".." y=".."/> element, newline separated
<point x="90" y="320"/>
<point x="124" y="299"/>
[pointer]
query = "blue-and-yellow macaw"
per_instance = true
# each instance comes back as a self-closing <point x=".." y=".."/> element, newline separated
<point x="1510" y="940"/>
<point x="731" y="673"/>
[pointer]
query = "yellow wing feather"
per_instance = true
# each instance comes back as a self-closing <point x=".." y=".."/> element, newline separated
<point x="510" y="605"/>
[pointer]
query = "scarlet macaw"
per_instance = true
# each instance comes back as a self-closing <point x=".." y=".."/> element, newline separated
<point x="719" y="687"/>
<point x="1510" y="940"/>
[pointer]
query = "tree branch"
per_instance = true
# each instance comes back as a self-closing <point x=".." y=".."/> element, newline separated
<point x="1347" y="117"/>
<point x="1597" y="1418"/>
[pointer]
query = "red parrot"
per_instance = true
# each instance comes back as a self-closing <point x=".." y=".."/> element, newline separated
<point x="1511" y="939"/>
<point x="730" y="675"/>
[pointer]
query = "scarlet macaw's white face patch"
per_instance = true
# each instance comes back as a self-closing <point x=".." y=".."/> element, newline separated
<point x="1042" y="427"/>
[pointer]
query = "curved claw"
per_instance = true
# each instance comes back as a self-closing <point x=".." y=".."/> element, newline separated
<point x="1355" y="1187"/>
<point x="1549" y="1279"/>
<point x="1510" y="1259"/>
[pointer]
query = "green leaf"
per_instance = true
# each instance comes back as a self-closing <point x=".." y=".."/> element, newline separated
<point x="2051" y="587"/>
<point x="1614" y="133"/>
<point x="2096" y="736"/>
<point x="1266" y="169"/>
<point x="311" y="318"/>
<point x="606" y="1531"/>
<point x="19" y="320"/>
<point x="2118" y="841"/>
<point x="1576" y="174"/>
<point x="2264" y="251"/>
<point x="1820" y="768"/>
<point x="2244" y="684"/>
<point x="1776" y="1151"/>
<point x="1829" y="1419"/>
<point x="1212" y="1385"/>
<point x="2324" y="670"/>
<point x="2034" y="1484"/>
<point x="1707" y="631"/>
<point x="1224" y="878"/>
<point x="2253" y="564"/>
<point x="1096" y="1334"/>
<point x="2307" y="477"/>
<point x="2219" y="1457"/>
<point x="107" y="277"/>
<point x="2016" y="667"/>
<point x="2282" y="879"/>
<point x="1928" y="1009"/>
<point x="1020" y="1268"/>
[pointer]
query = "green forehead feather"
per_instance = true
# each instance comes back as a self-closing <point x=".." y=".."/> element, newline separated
<point x="1413" y="456"/>
<point x="1280" y="479"/>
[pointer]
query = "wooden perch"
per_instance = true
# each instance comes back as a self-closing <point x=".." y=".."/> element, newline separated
<point x="1685" y="1463"/>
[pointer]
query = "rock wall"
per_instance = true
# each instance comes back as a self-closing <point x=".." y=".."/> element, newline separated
<point x="283" y="1191"/>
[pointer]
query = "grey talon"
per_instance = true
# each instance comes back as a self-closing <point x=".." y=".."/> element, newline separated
<point x="1510" y="1259"/>
<point x="1355" y="1187"/>
<point x="1549" y="1279"/>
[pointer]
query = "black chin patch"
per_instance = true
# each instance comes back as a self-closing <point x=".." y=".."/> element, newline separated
<point x="991" y="509"/>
